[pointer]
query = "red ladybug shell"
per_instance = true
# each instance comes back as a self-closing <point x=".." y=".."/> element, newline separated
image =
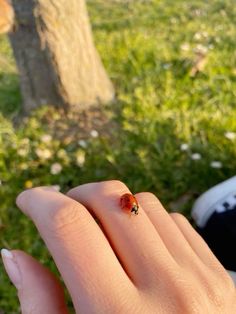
<point x="129" y="203"/>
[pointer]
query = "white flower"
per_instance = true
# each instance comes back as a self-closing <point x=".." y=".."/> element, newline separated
<point x="197" y="12"/>
<point x="56" y="187"/>
<point x="200" y="35"/>
<point x="80" y="157"/>
<point x="25" y="141"/>
<point x="43" y="153"/>
<point x="22" y="152"/>
<point x="83" y="143"/>
<point x="185" y="47"/>
<point x="216" y="164"/>
<point x="201" y="49"/>
<point x="94" y="133"/>
<point x="205" y="34"/>
<point x="56" y="168"/>
<point x="46" y="138"/>
<point x="197" y="36"/>
<point x="196" y="156"/>
<point x="184" y="147"/>
<point x="230" y="135"/>
<point x="211" y="46"/>
<point x="0" y="182"/>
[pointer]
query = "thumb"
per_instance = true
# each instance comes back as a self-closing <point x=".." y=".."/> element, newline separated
<point x="38" y="290"/>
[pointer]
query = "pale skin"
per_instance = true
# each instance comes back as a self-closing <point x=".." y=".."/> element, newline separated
<point x="153" y="262"/>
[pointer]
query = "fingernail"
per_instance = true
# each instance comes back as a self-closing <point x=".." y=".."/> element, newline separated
<point x="11" y="267"/>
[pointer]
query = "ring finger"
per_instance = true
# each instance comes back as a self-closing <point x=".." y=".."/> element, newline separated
<point x="169" y="232"/>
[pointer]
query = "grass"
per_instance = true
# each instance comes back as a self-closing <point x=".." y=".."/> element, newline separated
<point x="149" y="49"/>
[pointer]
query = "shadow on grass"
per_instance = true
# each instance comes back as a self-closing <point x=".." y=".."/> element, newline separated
<point x="10" y="96"/>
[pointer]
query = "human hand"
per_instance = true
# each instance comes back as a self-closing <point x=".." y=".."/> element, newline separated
<point x="153" y="262"/>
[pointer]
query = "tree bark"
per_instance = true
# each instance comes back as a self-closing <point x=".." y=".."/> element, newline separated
<point x="56" y="56"/>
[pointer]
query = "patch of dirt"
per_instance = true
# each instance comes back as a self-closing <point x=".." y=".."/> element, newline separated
<point x="78" y="124"/>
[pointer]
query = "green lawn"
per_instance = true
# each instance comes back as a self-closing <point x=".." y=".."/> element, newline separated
<point x="149" y="48"/>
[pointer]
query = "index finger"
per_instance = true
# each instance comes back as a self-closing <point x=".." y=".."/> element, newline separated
<point x="80" y="250"/>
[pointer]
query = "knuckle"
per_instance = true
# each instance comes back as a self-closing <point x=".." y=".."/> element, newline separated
<point x="64" y="217"/>
<point x="188" y="295"/>
<point x="104" y="187"/>
<point x="149" y="200"/>
<point x="222" y="276"/>
<point x="108" y="187"/>
<point x="216" y="297"/>
<point x="188" y="301"/>
<point x="147" y="196"/>
<point x="213" y="288"/>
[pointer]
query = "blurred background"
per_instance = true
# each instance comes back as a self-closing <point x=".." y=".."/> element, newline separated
<point x="161" y="117"/>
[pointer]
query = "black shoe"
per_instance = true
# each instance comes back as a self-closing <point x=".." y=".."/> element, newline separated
<point x="215" y="215"/>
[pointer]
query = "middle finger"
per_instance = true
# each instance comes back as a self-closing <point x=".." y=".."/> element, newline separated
<point x="134" y="239"/>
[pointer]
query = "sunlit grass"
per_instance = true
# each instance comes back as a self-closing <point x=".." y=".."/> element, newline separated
<point x="149" y="49"/>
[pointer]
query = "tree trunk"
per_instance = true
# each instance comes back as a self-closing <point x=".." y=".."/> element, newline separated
<point x="56" y="56"/>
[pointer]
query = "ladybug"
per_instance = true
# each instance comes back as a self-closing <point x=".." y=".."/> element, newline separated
<point x="129" y="203"/>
